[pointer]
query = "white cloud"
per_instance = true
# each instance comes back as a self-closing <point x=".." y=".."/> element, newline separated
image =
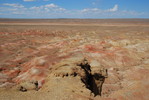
<point x="115" y="8"/>
<point x="36" y="8"/>
<point x="108" y="13"/>
<point x="62" y="9"/>
<point x="97" y="10"/>
<point x="51" y="5"/>
<point x="13" y="5"/>
<point x="90" y="10"/>
<point x="55" y="11"/>
<point x="28" y="0"/>
<point x="47" y="7"/>
<point x="18" y="13"/>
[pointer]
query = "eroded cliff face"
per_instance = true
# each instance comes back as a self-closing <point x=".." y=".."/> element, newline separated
<point x="69" y="67"/>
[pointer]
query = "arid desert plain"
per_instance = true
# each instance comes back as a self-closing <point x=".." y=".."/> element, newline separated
<point x="74" y="59"/>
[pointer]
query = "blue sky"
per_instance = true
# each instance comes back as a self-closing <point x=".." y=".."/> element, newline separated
<point x="74" y="8"/>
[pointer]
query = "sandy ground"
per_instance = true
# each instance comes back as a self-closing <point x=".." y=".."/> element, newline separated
<point x="69" y="59"/>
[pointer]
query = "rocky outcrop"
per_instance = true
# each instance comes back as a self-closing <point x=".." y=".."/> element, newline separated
<point x="81" y="69"/>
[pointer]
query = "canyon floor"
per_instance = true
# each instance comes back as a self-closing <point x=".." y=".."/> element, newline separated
<point x="74" y="59"/>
